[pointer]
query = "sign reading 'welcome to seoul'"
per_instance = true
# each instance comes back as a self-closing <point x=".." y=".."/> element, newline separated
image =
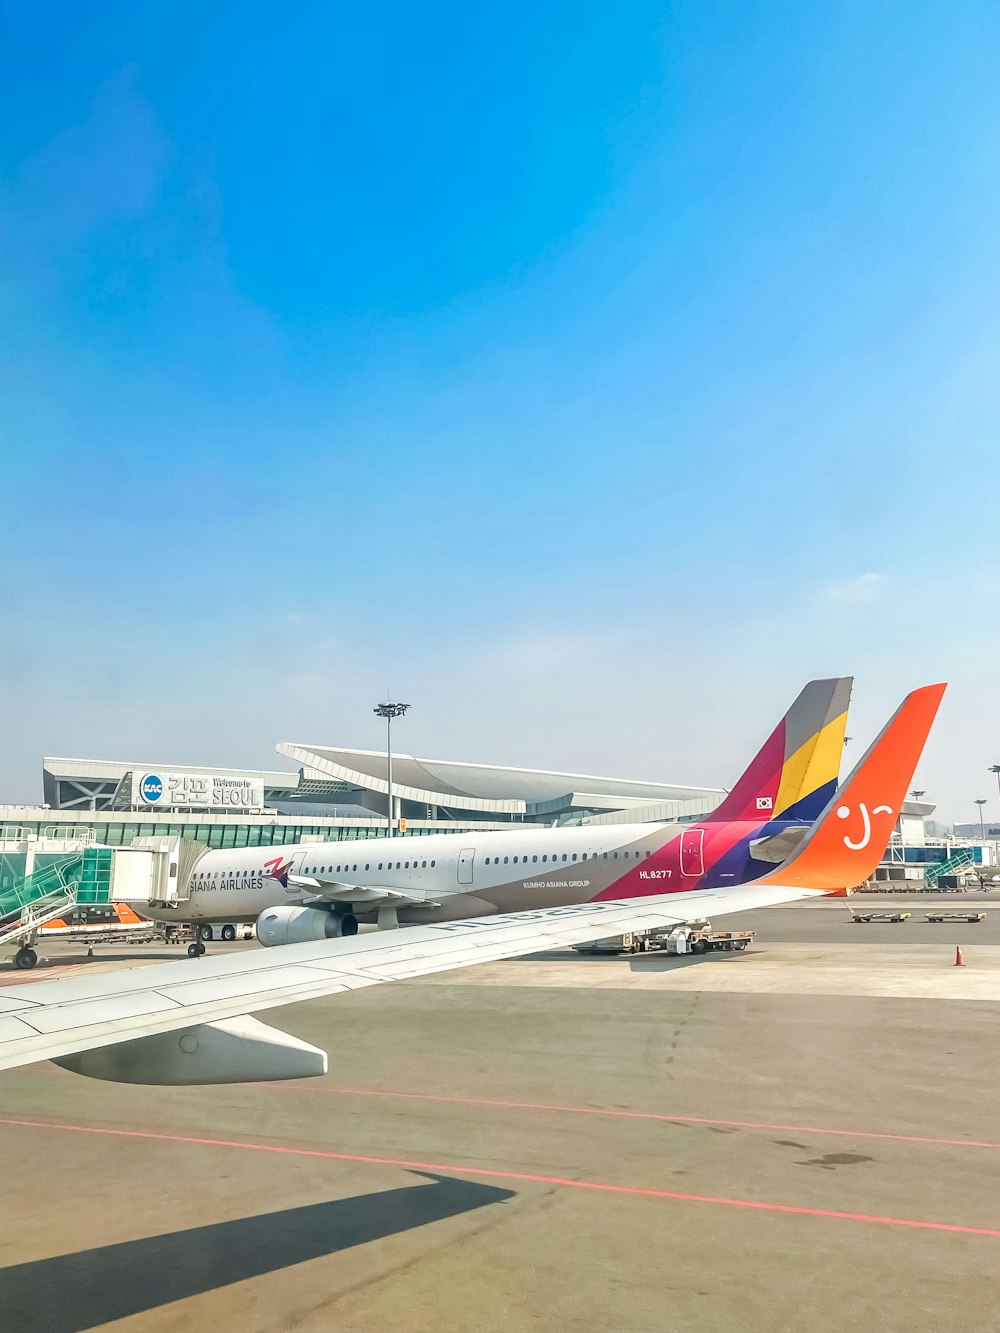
<point x="196" y="791"/>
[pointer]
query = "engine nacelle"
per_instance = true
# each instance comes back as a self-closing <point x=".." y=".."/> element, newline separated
<point x="299" y="925"/>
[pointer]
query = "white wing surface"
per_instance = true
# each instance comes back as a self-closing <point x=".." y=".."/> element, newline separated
<point x="49" y="1020"/>
<point x="336" y="891"/>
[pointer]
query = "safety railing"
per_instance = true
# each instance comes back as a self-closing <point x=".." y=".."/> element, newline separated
<point x="35" y="898"/>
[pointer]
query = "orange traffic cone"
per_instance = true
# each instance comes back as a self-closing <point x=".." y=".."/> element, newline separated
<point x="959" y="960"/>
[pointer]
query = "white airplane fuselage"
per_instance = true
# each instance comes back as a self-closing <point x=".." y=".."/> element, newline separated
<point x="454" y="876"/>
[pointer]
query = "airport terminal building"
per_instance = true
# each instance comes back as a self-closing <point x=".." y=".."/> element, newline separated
<point x="335" y="794"/>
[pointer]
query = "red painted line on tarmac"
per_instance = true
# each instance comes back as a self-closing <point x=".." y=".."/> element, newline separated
<point x="495" y="1173"/>
<point x="637" y="1115"/>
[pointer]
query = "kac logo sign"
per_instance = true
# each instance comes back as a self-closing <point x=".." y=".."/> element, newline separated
<point x="151" y="788"/>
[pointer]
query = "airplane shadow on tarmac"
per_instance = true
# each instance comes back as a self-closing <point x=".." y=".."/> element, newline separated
<point x="72" y="1292"/>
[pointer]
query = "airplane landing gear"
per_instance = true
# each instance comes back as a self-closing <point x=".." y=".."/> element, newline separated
<point x="25" y="957"/>
<point x="348" y="924"/>
<point x="196" y="949"/>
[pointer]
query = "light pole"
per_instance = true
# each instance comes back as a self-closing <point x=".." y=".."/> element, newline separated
<point x="995" y="768"/>
<point x="982" y="826"/>
<point x="389" y="711"/>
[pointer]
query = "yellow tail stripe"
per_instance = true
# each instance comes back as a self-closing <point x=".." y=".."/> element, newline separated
<point x="813" y="764"/>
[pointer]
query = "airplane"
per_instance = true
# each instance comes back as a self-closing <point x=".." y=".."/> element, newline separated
<point x="189" y="1023"/>
<point x="321" y="890"/>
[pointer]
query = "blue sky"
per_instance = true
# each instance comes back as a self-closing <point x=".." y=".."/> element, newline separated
<point x="590" y="376"/>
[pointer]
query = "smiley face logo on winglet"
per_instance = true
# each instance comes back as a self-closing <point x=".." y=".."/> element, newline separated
<point x="844" y="812"/>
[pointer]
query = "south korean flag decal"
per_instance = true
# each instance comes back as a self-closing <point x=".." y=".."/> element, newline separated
<point x="765" y="803"/>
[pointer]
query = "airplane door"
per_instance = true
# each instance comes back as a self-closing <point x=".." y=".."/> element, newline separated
<point x="692" y="852"/>
<point x="465" y="859"/>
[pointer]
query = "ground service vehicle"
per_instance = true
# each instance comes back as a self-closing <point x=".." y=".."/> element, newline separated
<point x="225" y="930"/>
<point x="691" y="937"/>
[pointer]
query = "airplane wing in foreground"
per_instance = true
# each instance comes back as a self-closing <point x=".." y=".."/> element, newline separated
<point x="185" y="1022"/>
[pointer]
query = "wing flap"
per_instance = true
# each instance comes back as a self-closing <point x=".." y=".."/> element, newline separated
<point x="108" y="1009"/>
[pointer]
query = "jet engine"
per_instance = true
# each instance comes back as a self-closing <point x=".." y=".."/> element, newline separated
<point x="303" y="925"/>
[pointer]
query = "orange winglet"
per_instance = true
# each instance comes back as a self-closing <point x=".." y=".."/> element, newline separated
<point x="850" y="837"/>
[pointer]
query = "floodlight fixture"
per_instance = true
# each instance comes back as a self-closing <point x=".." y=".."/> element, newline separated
<point x="389" y="711"/>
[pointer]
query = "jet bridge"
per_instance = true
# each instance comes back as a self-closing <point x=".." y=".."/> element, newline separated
<point x="45" y="875"/>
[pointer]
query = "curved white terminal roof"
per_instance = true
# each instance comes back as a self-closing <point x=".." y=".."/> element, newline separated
<point x="333" y="774"/>
<point x="488" y="787"/>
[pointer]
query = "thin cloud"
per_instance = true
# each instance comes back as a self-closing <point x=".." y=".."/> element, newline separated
<point x="857" y="591"/>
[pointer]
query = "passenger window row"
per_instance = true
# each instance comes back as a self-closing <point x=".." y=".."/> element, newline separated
<point x="422" y="865"/>
<point x="225" y="874"/>
<point x="388" y="865"/>
<point x="593" y="856"/>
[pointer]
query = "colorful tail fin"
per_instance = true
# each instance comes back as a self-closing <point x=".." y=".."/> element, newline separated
<point x="849" y="839"/>
<point x="796" y="770"/>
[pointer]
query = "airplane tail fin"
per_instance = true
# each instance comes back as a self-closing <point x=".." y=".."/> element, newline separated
<point x="126" y="916"/>
<point x="849" y="839"/>
<point x="795" y="772"/>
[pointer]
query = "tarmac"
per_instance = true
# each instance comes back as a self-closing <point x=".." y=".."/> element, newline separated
<point x="801" y="1137"/>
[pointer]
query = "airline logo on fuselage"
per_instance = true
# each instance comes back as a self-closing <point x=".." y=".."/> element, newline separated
<point x="278" y="869"/>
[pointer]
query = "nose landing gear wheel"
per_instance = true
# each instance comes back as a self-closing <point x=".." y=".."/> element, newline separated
<point x="26" y="957"/>
<point x="196" y="949"/>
